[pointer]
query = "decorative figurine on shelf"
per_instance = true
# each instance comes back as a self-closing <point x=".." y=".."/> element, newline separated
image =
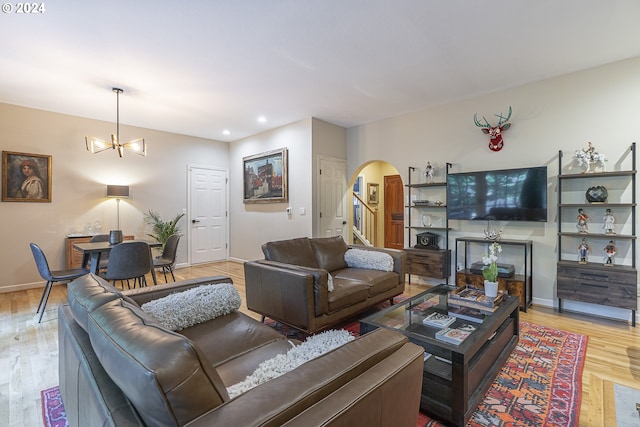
<point x="589" y="155"/>
<point x="582" y="222"/>
<point x="610" y="250"/>
<point x="491" y="233"/>
<point x="583" y="250"/>
<point x="609" y="222"/>
<point x="429" y="172"/>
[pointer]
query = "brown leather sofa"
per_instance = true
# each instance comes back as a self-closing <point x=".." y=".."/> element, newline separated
<point x="119" y="367"/>
<point x="291" y="285"/>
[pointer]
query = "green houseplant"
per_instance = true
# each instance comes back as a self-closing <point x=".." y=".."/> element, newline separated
<point x="161" y="230"/>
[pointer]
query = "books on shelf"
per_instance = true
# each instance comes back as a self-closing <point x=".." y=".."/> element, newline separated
<point x="455" y="335"/>
<point x="438" y="320"/>
<point x="467" y="313"/>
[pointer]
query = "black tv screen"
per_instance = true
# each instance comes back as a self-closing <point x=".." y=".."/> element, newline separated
<point x="501" y="195"/>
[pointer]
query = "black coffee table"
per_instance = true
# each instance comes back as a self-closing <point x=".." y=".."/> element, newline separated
<point x="455" y="377"/>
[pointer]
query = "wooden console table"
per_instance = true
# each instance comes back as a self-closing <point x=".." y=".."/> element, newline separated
<point x="519" y="285"/>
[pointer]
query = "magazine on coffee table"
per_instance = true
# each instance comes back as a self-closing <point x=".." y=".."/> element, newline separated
<point x="455" y="335"/>
<point x="467" y="313"/>
<point x="438" y="320"/>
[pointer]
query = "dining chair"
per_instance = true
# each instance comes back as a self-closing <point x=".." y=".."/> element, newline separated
<point x="104" y="258"/>
<point x="167" y="260"/>
<point x="51" y="276"/>
<point x="129" y="261"/>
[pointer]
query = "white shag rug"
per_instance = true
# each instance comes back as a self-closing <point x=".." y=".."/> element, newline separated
<point x="311" y="348"/>
<point x="371" y="260"/>
<point x="196" y="305"/>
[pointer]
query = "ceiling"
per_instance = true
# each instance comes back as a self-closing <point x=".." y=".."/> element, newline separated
<point x="199" y="67"/>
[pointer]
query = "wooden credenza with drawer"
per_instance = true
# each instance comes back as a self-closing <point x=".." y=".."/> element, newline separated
<point x="74" y="256"/>
<point x="428" y="262"/>
<point x="598" y="284"/>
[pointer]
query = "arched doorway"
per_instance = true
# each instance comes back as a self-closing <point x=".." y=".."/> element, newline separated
<point x="377" y="208"/>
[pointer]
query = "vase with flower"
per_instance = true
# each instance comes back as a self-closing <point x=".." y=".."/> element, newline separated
<point x="490" y="272"/>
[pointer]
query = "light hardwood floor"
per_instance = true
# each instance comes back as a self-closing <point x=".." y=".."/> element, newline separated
<point x="29" y="351"/>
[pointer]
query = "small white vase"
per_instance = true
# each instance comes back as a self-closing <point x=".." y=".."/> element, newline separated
<point x="491" y="289"/>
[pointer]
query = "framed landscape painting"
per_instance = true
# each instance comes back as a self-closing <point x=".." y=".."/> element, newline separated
<point x="26" y="177"/>
<point x="372" y="193"/>
<point x="265" y="177"/>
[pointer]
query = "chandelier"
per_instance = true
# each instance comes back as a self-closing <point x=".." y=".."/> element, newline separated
<point x="96" y="145"/>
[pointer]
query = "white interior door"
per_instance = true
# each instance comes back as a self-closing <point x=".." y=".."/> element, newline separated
<point x="333" y="198"/>
<point x="208" y="215"/>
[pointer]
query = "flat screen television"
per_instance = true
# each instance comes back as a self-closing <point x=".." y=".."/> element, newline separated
<point x="501" y="195"/>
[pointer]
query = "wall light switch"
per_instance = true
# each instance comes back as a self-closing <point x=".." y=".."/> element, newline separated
<point x="303" y="211"/>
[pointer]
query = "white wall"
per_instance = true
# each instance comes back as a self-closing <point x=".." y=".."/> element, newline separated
<point x="79" y="179"/>
<point x="257" y="223"/>
<point x="599" y="105"/>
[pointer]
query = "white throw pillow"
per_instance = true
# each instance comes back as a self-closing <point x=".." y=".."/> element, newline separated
<point x="196" y="305"/>
<point x="371" y="260"/>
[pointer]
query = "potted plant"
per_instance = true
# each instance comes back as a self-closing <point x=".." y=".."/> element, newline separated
<point x="490" y="273"/>
<point x="161" y="230"/>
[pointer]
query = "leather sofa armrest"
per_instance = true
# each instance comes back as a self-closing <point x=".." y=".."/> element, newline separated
<point x="399" y="259"/>
<point x="320" y="283"/>
<point x="373" y="366"/>
<point x="288" y="293"/>
<point x="150" y="293"/>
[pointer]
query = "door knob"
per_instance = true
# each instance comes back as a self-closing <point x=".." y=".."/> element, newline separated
<point x="193" y="221"/>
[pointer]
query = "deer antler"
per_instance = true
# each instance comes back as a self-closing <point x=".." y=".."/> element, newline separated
<point x="503" y="120"/>
<point x="480" y="125"/>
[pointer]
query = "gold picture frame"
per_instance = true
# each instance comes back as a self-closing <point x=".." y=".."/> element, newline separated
<point x="373" y="193"/>
<point x="26" y="177"/>
<point x="265" y="177"/>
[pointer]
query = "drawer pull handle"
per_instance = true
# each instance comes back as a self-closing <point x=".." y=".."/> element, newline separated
<point x="599" y="276"/>
<point x="593" y="285"/>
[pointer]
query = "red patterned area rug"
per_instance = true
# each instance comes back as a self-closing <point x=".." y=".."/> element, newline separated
<point x="53" y="414"/>
<point x="540" y="384"/>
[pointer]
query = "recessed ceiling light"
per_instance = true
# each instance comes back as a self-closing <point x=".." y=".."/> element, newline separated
<point x="226" y="132"/>
<point x="262" y="119"/>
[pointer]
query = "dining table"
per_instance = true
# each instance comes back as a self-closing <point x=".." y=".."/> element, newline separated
<point x="93" y="251"/>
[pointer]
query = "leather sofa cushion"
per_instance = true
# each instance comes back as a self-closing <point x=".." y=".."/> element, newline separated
<point x="329" y="252"/>
<point x="293" y="251"/>
<point x="87" y="293"/>
<point x="227" y="337"/>
<point x="378" y="281"/>
<point x="164" y="375"/>
<point x="347" y="292"/>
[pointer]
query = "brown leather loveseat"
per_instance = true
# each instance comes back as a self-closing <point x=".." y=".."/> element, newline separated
<point x="120" y="367"/>
<point x="292" y="284"/>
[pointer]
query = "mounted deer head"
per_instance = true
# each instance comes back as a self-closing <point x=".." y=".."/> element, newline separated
<point x="495" y="132"/>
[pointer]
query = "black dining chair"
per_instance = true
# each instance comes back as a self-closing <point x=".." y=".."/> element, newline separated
<point x="129" y="261"/>
<point x="104" y="258"/>
<point x="51" y="276"/>
<point x="167" y="260"/>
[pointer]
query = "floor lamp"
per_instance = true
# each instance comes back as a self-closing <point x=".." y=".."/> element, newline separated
<point x="118" y="191"/>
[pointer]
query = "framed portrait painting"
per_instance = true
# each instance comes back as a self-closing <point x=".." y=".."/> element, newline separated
<point x="26" y="177"/>
<point x="265" y="177"/>
<point x="372" y="193"/>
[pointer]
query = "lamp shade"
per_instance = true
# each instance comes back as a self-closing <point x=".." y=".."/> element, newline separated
<point x="117" y="191"/>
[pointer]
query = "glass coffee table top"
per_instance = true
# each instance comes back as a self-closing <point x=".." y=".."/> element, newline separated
<point x="426" y="314"/>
